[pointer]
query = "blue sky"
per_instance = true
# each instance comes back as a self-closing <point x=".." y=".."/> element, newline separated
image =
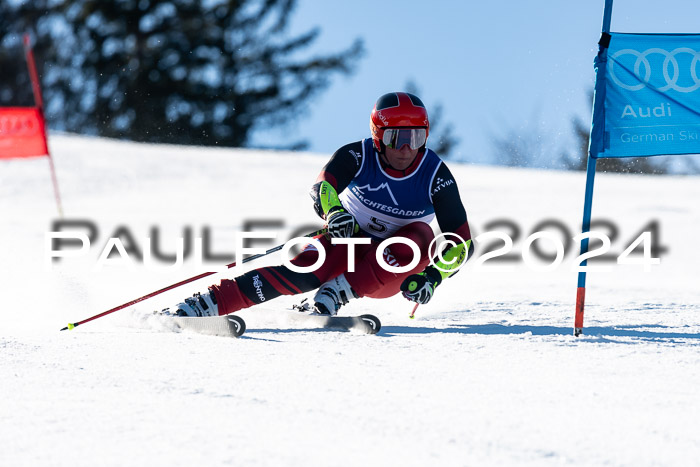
<point x="497" y="67"/>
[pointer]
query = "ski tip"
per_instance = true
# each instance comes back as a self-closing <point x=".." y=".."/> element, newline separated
<point x="236" y="325"/>
<point x="372" y="324"/>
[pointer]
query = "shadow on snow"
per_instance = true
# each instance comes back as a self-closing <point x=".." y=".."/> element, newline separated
<point x="500" y="329"/>
<point x="596" y="334"/>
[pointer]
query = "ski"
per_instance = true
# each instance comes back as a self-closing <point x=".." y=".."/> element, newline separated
<point x="368" y="324"/>
<point x="225" y="326"/>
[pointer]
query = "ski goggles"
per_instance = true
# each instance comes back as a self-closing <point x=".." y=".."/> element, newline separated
<point x="395" y="138"/>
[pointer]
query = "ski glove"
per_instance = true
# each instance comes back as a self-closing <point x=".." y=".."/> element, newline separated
<point x="341" y="224"/>
<point x="420" y="287"/>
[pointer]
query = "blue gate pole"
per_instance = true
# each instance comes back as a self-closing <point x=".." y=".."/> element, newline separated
<point x="590" y="178"/>
<point x="586" y="227"/>
<point x="607" y="15"/>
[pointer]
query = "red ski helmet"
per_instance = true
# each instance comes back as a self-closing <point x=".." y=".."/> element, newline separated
<point x="397" y="110"/>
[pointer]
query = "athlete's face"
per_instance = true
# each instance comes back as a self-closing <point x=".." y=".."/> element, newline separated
<point x="401" y="158"/>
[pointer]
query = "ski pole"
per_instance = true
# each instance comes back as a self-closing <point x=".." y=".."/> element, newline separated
<point x="413" y="312"/>
<point x="186" y="281"/>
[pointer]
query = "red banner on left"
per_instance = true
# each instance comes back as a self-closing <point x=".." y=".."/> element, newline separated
<point x="22" y="132"/>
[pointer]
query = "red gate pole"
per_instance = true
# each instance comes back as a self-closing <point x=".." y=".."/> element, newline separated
<point x="36" y="88"/>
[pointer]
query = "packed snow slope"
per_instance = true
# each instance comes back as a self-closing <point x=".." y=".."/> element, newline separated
<point x="488" y="373"/>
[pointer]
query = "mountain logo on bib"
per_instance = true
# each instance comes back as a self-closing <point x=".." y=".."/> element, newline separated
<point x="383" y="186"/>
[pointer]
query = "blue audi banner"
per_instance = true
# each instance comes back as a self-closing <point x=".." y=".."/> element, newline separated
<point x="647" y="95"/>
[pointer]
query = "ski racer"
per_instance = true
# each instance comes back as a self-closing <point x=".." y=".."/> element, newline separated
<point x="389" y="185"/>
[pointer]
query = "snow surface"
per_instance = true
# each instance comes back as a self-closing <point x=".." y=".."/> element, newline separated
<point x="488" y="373"/>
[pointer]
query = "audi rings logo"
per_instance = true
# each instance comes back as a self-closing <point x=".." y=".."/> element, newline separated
<point x="681" y="76"/>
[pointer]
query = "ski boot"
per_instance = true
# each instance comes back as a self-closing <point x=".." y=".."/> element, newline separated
<point x="332" y="295"/>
